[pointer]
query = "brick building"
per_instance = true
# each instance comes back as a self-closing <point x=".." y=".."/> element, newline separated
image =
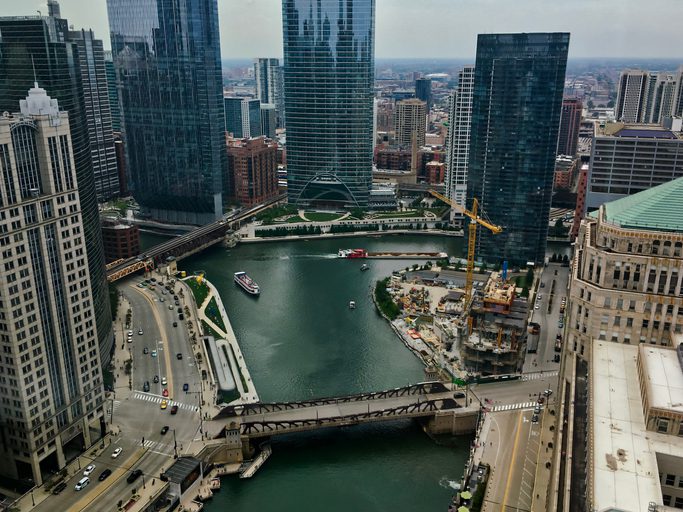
<point x="120" y="240"/>
<point x="253" y="163"/>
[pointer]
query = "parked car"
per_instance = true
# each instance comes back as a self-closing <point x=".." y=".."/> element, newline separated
<point x="180" y="316"/>
<point x="134" y="476"/>
<point x="104" y="474"/>
<point x="116" y="452"/>
<point x="89" y="469"/>
<point x="59" y="488"/>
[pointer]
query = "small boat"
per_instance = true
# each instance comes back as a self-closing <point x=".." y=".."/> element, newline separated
<point x="364" y="267"/>
<point x="352" y="253"/>
<point x="352" y="304"/>
<point x="247" y="283"/>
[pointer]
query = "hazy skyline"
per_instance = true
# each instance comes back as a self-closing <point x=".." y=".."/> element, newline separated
<point x="439" y="28"/>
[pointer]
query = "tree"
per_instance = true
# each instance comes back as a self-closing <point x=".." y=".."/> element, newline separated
<point x="565" y="259"/>
<point x="591" y="105"/>
<point x="529" y="276"/>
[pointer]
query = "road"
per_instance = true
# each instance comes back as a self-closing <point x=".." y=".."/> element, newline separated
<point x="548" y="316"/>
<point x="138" y="414"/>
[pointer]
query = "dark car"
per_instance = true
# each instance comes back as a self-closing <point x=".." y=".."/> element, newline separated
<point x="145" y="386"/>
<point x="179" y="355"/>
<point x="557" y="358"/>
<point x="180" y="310"/>
<point x="175" y="297"/>
<point x="134" y="476"/>
<point x="174" y="409"/>
<point x="156" y="379"/>
<point x="186" y="387"/>
<point x="164" y="429"/>
<point x="175" y="324"/>
<point x="104" y="474"/>
<point x="180" y="316"/>
<point x="145" y="350"/>
<point x="59" y="488"/>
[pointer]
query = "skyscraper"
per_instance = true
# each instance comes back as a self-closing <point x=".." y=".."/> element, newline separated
<point x="631" y="96"/>
<point x="570" y="121"/>
<point x="242" y="117"/>
<point x="645" y="97"/>
<point x="423" y="91"/>
<point x="268" y="120"/>
<point x="329" y="82"/>
<point x="37" y="48"/>
<point x="410" y="117"/>
<point x="458" y="140"/>
<point x="52" y="379"/>
<point x="518" y="85"/>
<point x="268" y="76"/>
<point x="114" y="106"/>
<point x="97" y="111"/>
<point x="167" y="57"/>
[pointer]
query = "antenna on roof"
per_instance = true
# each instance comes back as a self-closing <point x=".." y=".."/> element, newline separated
<point x="35" y="79"/>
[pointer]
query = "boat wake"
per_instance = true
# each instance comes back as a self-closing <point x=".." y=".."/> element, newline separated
<point x="446" y="483"/>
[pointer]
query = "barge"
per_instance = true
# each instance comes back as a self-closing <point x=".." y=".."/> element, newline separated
<point x="399" y="255"/>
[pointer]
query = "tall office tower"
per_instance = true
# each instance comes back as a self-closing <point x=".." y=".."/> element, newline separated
<point x="458" y="139"/>
<point x="233" y="116"/>
<point x="51" y="390"/>
<point x="570" y="121"/>
<point x="37" y="48"/>
<point x="329" y="82"/>
<point x="97" y="111"/>
<point x="631" y="95"/>
<point x="423" y="91"/>
<point x="167" y="57"/>
<point x="410" y="118"/>
<point x="268" y="75"/>
<point x="661" y="100"/>
<point x="518" y="85"/>
<point x="242" y="117"/>
<point x="678" y="95"/>
<point x="268" y="120"/>
<point x="114" y="106"/>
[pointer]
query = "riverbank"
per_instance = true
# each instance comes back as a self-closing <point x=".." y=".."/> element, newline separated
<point x="356" y="234"/>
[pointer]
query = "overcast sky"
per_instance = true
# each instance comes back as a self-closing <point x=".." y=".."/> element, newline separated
<point x="436" y="28"/>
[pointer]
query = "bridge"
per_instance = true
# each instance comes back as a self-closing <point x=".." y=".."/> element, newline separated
<point x="257" y="420"/>
<point x="187" y="244"/>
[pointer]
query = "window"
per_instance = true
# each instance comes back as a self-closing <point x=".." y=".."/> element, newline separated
<point x="670" y="479"/>
<point x="678" y="503"/>
<point x="663" y="426"/>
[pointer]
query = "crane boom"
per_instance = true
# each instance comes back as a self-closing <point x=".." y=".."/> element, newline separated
<point x="472" y="215"/>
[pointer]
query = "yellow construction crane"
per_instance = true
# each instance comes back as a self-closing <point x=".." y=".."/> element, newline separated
<point x="474" y="220"/>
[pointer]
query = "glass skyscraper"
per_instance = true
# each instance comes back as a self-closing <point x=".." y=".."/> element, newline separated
<point x="518" y="85"/>
<point x="329" y="81"/>
<point x="167" y="58"/>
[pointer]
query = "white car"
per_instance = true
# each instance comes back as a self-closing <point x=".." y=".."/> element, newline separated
<point x="140" y="331"/>
<point x="116" y="453"/>
<point x="89" y="469"/>
<point x="537" y="306"/>
<point x="163" y="381"/>
<point x="130" y="333"/>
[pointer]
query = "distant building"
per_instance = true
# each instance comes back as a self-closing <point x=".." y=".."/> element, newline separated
<point x="242" y="117"/>
<point x="435" y="172"/>
<point x="329" y="50"/>
<point x="628" y="158"/>
<point x="645" y="97"/>
<point x="570" y="121"/>
<point x="514" y="138"/>
<point x="121" y="240"/>
<point x="410" y="118"/>
<point x="565" y="171"/>
<point x="458" y="140"/>
<point x="631" y="96"/>
<point x="52" y="387"/>
<point x="268" y="120"/>
<point x="423" y="91"/>
<point x="120" y="149"/>
<point x="114" y="105"/>
<point x="269" y="86"/>
<point x="233" y="116"/>
<point x="253" y="164"/>
<point x="580" y="210"/>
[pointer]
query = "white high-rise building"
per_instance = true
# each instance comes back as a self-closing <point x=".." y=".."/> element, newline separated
<point x="458" y="141"/>
<point x="631" y="95"/>
<point x="51" y="396"/>
<point x="645" y="97"/>
<point x="269" y="87"/>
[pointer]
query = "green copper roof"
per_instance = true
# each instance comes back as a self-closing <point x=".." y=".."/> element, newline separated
<point x="659" y="208"/>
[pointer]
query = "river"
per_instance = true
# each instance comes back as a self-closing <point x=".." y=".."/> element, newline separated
<point x="300" y="340"/>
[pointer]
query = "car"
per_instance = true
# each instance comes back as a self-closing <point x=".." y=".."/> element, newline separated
<point x="58" y="488"/>
<point x="542" y="284"/>
<point x="170" y="307"/>
<point x="82" y="483"/>
<point x="153" y="279"/>
<point x="116" y="452"/>
<point x="174" y="409"/>
<point x="161" y="299"/>
<point x="130" y="340"/>
<point x="163" y="292"/>
<point x="178" y="356"/>
<point x="164" y="429"/>
<point x="534" y="418"/>
<point x="179" y="310"/>
<point x="134" y="476"/>
<point x="537" y="409"/>
<point x="548" y="392"/>
<point x="539" y="296"/>
<point x="560" y="325"/>
<point x="155" y="379"/>
<point x="537" y="306"/>
<point x="154" y="353"/>
<point x="541" y="399"/>
<point x="180" y="316"/>
<point x="104" y="474"/>
<point x="140" y="285"/>
<point x="130" y="333"/>
<point x="145" y="386"/>
<point x="177" y="303"/>
<point x="164" y="392"/>
<point x="89" y="469"/>
<point x="175" y="324"/>
<point x="186" y="387"/>
<point x="163" y="381"/>
<point x="164" y="404"/>
<point x="140" y="331"/>
<point x="175" y="297"/>
<point x="556" y="358"/>
<point x="145" y="350"/>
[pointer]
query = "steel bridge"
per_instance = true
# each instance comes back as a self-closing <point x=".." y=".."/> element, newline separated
<point x="185" y="245"/>
<point x="268" y="419"/>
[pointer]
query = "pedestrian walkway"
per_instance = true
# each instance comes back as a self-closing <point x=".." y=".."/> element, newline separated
<point x="540" y="375"/>
<point x="159" y="447"/>
<point x="513" y="407"/>
<point x="116" y="405"/>
<point x="157" y="400"/>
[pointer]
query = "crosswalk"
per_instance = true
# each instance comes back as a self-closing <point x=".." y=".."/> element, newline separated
<point x="116" y="404"/>
<point x="159" y="447"/>
<point x="540" y="375"/>
<point x="513" y="407"/>
<point x="157" y="400"/>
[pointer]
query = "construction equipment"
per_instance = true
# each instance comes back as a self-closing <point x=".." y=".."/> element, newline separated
<point x="471" y="242"/>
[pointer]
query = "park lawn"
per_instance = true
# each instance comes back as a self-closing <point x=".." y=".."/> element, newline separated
<point x="323" y="216"/>
<point x="199" y="290"/>
<point x="397" y="215"/>
<point x="294" y="219"/>
<point x="214" y="315"/>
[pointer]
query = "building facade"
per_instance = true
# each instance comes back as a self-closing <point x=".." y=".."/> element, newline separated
<point x="570" y="121"/>
<point x="458" y="139"/>
<point x="268" y="120"/>
<point x="121" y="240"/>
<point x="329" y="50"/>
<point x="626" y="159"/>
<point x="171" y="100"/>
<point x="253" y="163"/>
<point x="645" y="97"/>
<point x="114" y="106"/>
<point x="37" y="48"/>
<point x="242" y="117"/>
<point x="268" y="76"/>
<point x="423" y="91"/>
<point x="410" y="121"/>
<point x="95" y="88"/>
<point x="631" y="95"/>
<point x="51" y="377"/>
<point x="517" y="98"/>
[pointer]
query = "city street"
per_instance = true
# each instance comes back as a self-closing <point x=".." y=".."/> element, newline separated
<point x="548" y="316"/>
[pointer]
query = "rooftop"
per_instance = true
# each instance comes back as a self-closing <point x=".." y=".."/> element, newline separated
<point x="655" y="209"/>
<point x="665" y="378"/>
<point x="636" y="131"/>
<point x="625" y="470"/>
<point x="181" y="469"/>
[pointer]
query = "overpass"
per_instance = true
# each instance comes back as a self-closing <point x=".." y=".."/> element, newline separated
<point x="187" y="244"/>
<point x="258" y="420"/>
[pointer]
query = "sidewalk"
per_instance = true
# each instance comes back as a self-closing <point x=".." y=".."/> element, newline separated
<point x="545" y="454"/>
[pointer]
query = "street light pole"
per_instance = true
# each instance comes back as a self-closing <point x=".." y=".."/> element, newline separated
<point x="175" y="446"/>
